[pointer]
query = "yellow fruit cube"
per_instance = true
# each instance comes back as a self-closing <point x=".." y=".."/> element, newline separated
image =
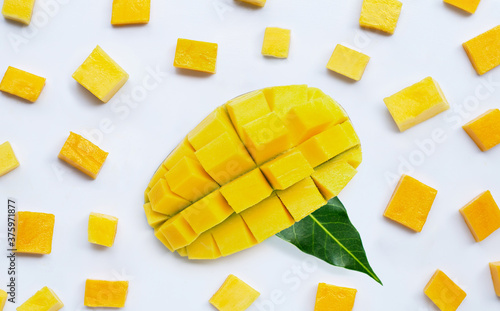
<point x="314" y="92"/>
<point x="332" y="176"/>
<point x="260" y="3"/>
<point x="154" y="218"/>
<point x="34" y="232"/>
<point x="22" y="84"/>
<point x="246" y="108"/>
<point x="267" y="218"/>
<point x="287" y="169"/>
<point x="282" y="98"/>
<point x="276" y="42"/>
<point x="353" y="156"/>
<point x="234" y="295"/>
<point x="348" y="62"/>
<point x="411" y="203"/>
<point x="485" y="129"/>
<point x="126" y="12"/>
<point x="233" y="235"/>
<point x="18" y="10"/>
<point x="204" y="247"/>
<point x="164" y="201"/>
<point x="207" y="212"/>
<point x="178" y="232"/>
<point x="484" y="50"/>
<point x="214" y="125"/>
<point x="43" y="300"/>
<point x="182" y="252"/>
<point x="445" y="294"/>
<point x="159" y="174"/>
<point x="196" y="55"/>
<point x="8" y="160"/>
<point x="416" y="104"/>
<point x="83" y="155"/>
<point x="146" y="197"/>
<point x="302" y="199"/>
<point x="3" y="298"/>
<point x="159" y="235"/>
<point x="101" y="75"/>
<point x="482" y="216"/>
<point x="107" y="294"/>
<point x="329" y="295"/>
<point x="381" y="15"/>
<point x="184" y="149"/>
<point x="495" y="276"/>
<point x="102" y="229"/>
<point x="469" y="6"/>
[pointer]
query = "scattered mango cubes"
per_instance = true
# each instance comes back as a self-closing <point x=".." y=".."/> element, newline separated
<point x="484" y="50"/>
<point x="127" y="12"/>
<point x="411" y="203"/>
<point x="102" y="229"/>
<point x="3" y="299"/>
<point x="83" y="155"/>
<point x="482" y="216"/>
<point x="329" y="296"/>
<point x="234" y="295"/>
<point x="260" y="3"/>
<point x="348" y="62"/>
<point x="276" y="42"/>
<point x="22" y="84"/>
<point x="34" y="232"/>
<point x="101" y="75"/>
<point x="469" y="6"/>
<point x="43" y="300"/>
<point x="495" y="276"/>
<point x="485" y="129"/>
<point x="108" y="294"/>
<point x="445" y="294"/>
<point x="416" y="104"/>
<point x="196" y="55"/>
<point x="8" y="160"/>
<point x="381" y="15"/>
<point x="18" y="10"/>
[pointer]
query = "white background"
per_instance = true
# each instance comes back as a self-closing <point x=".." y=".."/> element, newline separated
<point x="427" y="42"/>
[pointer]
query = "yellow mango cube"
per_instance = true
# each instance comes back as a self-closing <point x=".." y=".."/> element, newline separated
<point x="353" y="156"/>
<point x="83" y="155"/>
<point x="159" y="235"/>
<point x="332" y="176"/>
<point x="485" y="129"/>
<point x="21" y="83"/>
<point x="196" y="55"/>
<point x="234" y="295"/>
<point x="182" y="252"/>
<point x="282" y="98"/>
<point x="348" y="62"/>
<point x="207" y="212"/>
<point x="482" y="216"/>
<point x="204" y="247"/>
<point x="328" y="296"/>
<point x="495" y="276"/>
<point x="146" y="197"/>
<point x="154" y="218"/>
<point x="287" y="169"/>
<point x="164" y="201"/>
<point x="411" y="203"/>
<point x="18" y="10"/>
<point x="260" y="3"/>
<point x="178" y="232"/>
<point x="233" y="235"/>
<point x="469" y="6"/>
<point x="214" y="125"/>
<point x="302" y="199"/>
<point x="380" y="15"/>
<point x="107" y="294"/>
<point x="8" y="160"/>
<point x="416" y="104"/>
<point x="276" y="42"/>
<point x="127" y="12"/>
<point x="43" y="300"/>
<point x="443" y="292"/>
<point x="159" y="174"/>
<point x="34" y="232"/>
<point x="184" y="149"/>
<point x="101" y="75"/>
<point x="102" y="229"/>
<point x="484" y="50"/>
<point x="246" y="108"/>
<point x="3" y="299"/>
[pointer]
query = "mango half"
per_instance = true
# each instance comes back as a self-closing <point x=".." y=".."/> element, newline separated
<point x="250" y="169"/>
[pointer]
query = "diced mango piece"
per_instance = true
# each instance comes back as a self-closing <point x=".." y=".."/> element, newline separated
<point x="214" y="125"/>
<point x="267" y="218"/>
<point x="196" y="55"/>
<point x="416" y="104"/>
<point x="154" y="218"/>
<point x="21" y="83"/>
<point x="43" y="300"/>
<point x="332" y="176"/>
<point x="83" y="155"/>
<point x="247" y="190"/>
<point x="159" y="174"/>
<point x="260" y="3"/>
<point x="234" y="295"/>
<point x="482" y="216"/>
<point x="495" y="276"/>
<point x="102" y="229"/>
<point x="411" y="203"/>
<point x="178" y="232"/>
<point x="314" y="92"/>
<point x="282" y="98"/>
<point x="8" y="160"/>
<point x="126" y="12"/>
<point x="348" y="62"/>
<point x="246" y="108"/>
<point x="485" y="129"/>
<point x="328" y="296"/>
<point x="18" y="10"/>
<point x="164" y="201"/>
<point x="337" y="110"/>
<point x="189" y="180"/>
<point x="159" y="235"/>
<point x="301" y="199"/>
<point x="3" y="299"/>
<point x="233" y="235"/>
<point x="287" y="169"/>
<point x="101" y="75"/>
<point x="484" y="50"/>
<point x="469" y="6"/>
<point x="184" y="149"/>
<point x="207" y="212"/>
<point x="353" y="156"/>
<point x="204" y="247"/>
<point x="276" y="42"/>
<point x="34" y="232"/>
<point x="381" y="15"/>
<point x="108" y="294"/>
<point x="182" y="252"/>
<point x="445" y="294"/>
<point x="146" y="197"/>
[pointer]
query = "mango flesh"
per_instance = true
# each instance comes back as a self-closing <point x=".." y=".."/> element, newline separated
<point x="443" y="292"/>
<point x="330" y="295"/>
<point x="34" y="232"/>
<point x="234" y="295"/>
<point x="22" y="84"/>
<point x="107" y="294"/>
<point x="274" y="156"/>
<point x="43" y="300"/>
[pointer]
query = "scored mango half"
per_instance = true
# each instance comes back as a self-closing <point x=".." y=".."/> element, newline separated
<point x="250" y="169"/>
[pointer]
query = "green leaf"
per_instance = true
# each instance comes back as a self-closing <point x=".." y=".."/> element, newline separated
<point x="329" y="235"/>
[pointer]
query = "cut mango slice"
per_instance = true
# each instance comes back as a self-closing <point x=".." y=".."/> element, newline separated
<point x="282" y="98"/>
<point x="21" y="83"/>
<point x="207" y="212"/>
<point x="276" y="42"/>
<point x="102" y="229"/>
<point x="164" y="201"/>
<point x="154" y="218"/>
<point x="348" y="62"/>
<point x="484" y="50"/>
<point x="196" y="55"/>
<point x="302" y="199"/>
<point x="234" y="295"/>
<point x="445" y="294"/>
<point x="382" y="15"/>
<point x="233" y="235"/>
<point x="18" y="10"/>
<point x="332" y="177"/>
<point x="178" y="232"/>
<point x="108" y="294"/>
<point x="3" y="299"/>
<point x="482" y="216"/>
<point x="204" y="247"/>
<point x="184" y="149"/>
<point x="287" y="170"/>
<point x="34" y="232"/>
<point x="128" y="12"/>
<point x="8" y="160"/>
<point x="43" y="300"/>
<point x="485" y="129"/>
<point x="469" y="6"/>
<point x="247" y="108"/>
<point x="330" y="295"/>
<point x="495" y="276"/>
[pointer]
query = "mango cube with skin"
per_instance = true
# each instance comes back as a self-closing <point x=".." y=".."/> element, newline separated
<point x="416" y="104"/>
<point x="340" y="297"/>
<point x="213" y="126"/>
<point x="207" y="212"/>
<point x="469" y="6"/>
<point x="411" y="203"/>
<point x="276" y="42"/>
<point x="484" y="50"/>
<point x="482" y="216"/>
<point x="127" y="12"/>
<point x="196" y="55"/>
<point x="282" y="98"/>
<point x="233" y="235"/>
<point x="178" y="232"/>
<point x="204" y="247"/>
<point x="3" y="299"/>
<point x="8" y="160"/>
<point x="105" y="294"/>
<point x="234" y="295"/>
<point x="348" y="62"/>
<point x="83" y="155"/>
<point x="22" y="84"/>
<point x="380" y="15"/>
<point x="260" y="3"/>
<point x="246" y="108"/>
<point x="302" y="199"/>
<point x="164" y="201"/>
<point x="34" y="232"/>
<point x="332" y="176"/>
<point x="184" y="149"/>
<point x="443" y="292"/>
<point x="495" y="276"/>
<point x="287" y="169"/>
<point x="102" y="229"/>
<point x="18" y="10"/>
<point x="485" y="129"/>
<point x="101" y="75"/>
<point x="43" y="300"/>
<point x="154" y="218"/>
